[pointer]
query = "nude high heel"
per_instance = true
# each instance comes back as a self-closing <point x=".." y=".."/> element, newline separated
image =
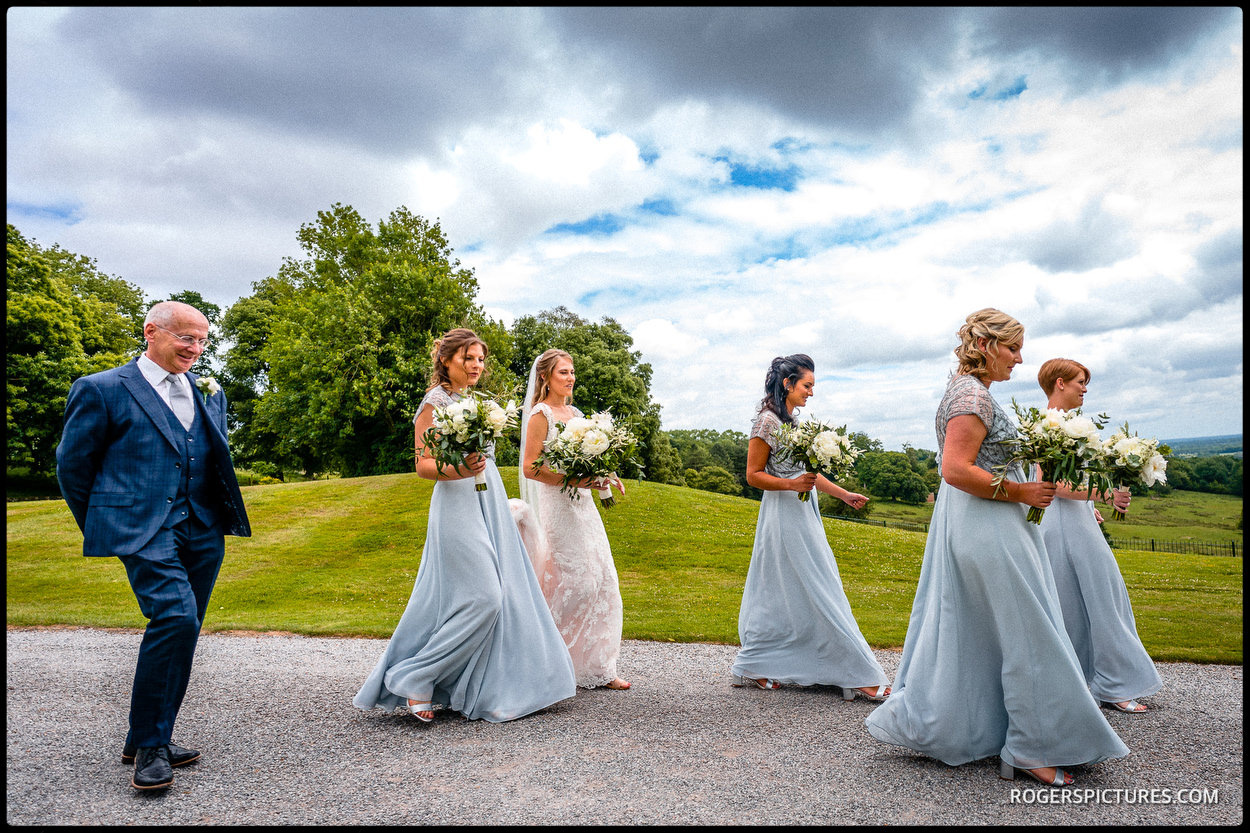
<point x="1007" y="772"/>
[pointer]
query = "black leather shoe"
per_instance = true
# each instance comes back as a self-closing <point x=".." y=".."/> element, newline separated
<point x="178" y="755"/>
<point x="152" y="770"/>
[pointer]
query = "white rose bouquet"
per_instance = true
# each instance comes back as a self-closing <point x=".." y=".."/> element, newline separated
<point x="591" y="447"/>
<point x="467" y="426"/>
<point x="818" y="447"/>
<point x="1064" y="444"/>
<point x="1129" y="459"/>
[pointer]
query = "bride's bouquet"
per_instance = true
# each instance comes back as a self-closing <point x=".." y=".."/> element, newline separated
<point x="1064" y="444"/>
<point x="590" y="447"/>
<point x="1129" y="459"/>
<point x="818" y="448"/>
<point x="467" y="426"/>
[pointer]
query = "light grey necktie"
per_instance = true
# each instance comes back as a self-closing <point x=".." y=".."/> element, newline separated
<point x="180" y="401"/>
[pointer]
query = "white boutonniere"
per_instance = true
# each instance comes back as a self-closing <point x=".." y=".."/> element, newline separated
<point x="207" y="386"/>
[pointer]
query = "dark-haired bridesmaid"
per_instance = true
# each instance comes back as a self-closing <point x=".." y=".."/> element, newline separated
<point x="795" y="624"/>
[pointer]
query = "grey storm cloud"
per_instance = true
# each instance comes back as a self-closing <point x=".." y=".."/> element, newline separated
<point x="1221" y="267"/>
<point x="854" y="67"/>
<point x="860" y="68"/>
<point x="386" y="78"/>
<point x="1098" y="44"/>
<point x="395" y="78"/>
<point x="1081" y="241"/>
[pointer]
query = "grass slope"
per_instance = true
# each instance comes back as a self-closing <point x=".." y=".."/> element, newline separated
<point x="1179" y="516"/>
<point x="339" y="557"/>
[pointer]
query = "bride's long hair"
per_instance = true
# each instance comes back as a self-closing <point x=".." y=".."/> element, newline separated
<point x="543" y="368"/>
<point x="784" y="369"/>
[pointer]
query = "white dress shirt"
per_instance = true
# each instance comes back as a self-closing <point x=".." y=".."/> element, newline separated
<point x="158" y="378"/>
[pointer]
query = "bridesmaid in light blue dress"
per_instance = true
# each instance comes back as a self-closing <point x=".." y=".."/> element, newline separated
<point x="795" y="624"/>
<point x="1097" y="612"/>
<point x="987" y="668"/>
<point x="477" y="636"/>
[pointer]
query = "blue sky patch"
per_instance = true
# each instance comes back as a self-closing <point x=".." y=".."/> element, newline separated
<point x="66" y="213"/>
<point x="788" y="249"/>
<point x="598" y="224"/>
<point x="1012" y="90"/>
<point x="660" y="205"/>
<point x="792" y="145"/>
<point x="761" y="176"/>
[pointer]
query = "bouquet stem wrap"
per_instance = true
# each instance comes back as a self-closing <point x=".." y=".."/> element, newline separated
<point x="605" y="495"/>
<point x="1035" y="514"/>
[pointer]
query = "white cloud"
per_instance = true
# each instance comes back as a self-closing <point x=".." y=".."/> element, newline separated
<point x="1090" y="185"/>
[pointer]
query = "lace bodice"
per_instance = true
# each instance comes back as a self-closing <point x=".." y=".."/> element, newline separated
<point x="967" y="395"/>
<point x="765" y="424"/>
<point x="439" y="397"/>
<point x="545" y="409"/>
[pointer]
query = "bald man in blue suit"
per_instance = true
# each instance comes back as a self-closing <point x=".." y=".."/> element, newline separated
<point x="145" y="467"/>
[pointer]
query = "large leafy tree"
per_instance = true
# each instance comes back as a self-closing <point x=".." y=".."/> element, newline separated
<point x="890" y="474"/>
<point x="346" y="334"/>
<point x="609" y="377"/>
<point x="244" y="377"/>
<point x="63" y="319"/>
<point x="713" y="478"/>
<point x="700" y="448"/>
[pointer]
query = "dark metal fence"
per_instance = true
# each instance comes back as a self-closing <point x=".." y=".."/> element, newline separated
<point x="894" y="524"/>
<point x="1186" y="547"/>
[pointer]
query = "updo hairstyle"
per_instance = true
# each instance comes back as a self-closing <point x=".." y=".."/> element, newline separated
<point x="783" y="370"/>
<point x="995" y="327"/>
<point x="445" y="350"/>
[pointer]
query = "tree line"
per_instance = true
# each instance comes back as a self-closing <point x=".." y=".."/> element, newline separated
<point x="325" y="362"/>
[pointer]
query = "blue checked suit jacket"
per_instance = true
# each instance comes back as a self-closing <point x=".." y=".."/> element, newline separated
<point x="117" y="461"/>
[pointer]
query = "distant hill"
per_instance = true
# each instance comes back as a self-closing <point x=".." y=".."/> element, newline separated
<point x="1206" y="446"/>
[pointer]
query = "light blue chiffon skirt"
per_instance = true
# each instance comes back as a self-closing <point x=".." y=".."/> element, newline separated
<point x="987" y="668"/>
<point x="795" y="624"/>
<point x="477" y="635"/>
<point x="1097" y="613"/>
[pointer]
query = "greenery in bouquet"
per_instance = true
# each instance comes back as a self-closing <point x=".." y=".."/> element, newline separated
<point x="1131" y="460"/>
<point x="818" y="447"/>
<point x="595" y="447"/>
<point x="1064" y="444"/>
<point x="470" y="425"/>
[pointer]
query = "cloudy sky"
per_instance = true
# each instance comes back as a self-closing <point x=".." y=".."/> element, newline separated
<point x="728" y="184"/>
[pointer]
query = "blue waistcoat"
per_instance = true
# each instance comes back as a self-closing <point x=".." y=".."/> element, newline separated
<point x="194" y="496"/>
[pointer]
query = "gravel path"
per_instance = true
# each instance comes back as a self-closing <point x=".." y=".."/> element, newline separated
<point x="283" y="745"/>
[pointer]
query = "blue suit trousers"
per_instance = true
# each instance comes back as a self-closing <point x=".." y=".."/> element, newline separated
<point x="172" y="577"/>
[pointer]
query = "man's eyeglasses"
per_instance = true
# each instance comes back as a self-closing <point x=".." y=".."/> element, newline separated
<point x="190" y="341"/>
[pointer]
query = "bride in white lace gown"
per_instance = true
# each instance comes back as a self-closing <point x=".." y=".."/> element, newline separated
<point x="565" y="537"/>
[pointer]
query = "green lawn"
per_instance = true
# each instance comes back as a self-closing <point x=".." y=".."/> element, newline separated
<point x="338" y="557"/>
<point x="1179" y="516"/>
